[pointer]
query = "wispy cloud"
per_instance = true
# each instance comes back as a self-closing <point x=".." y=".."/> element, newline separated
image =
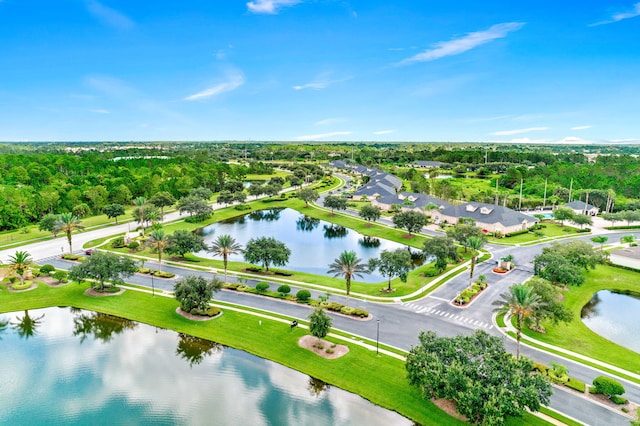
<point x="616" y="17"/>
<point x="320" y="136"/>
<point x="100" y="111"/>
<point x="581" y="127"/>
<point x="330" y="121"/>
<point x="519" y="131"/>
<point x="462" y="44"/>
<point x="384" y="132"/>
<point x="234" y="81"/>
<point x="109" y="16"/>
<point x="322" y="81"/>
<point x="270" y="7"/>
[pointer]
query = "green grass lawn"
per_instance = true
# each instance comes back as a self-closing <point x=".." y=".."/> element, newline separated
<point x="551" y="230"/>
<point x="576" y="336"/>
<point x="380" y="379"/>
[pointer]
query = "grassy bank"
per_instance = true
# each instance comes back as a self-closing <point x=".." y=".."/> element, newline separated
<point x="576" y="336"/>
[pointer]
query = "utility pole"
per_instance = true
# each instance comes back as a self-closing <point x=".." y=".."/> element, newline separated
<point x="570" y="189"/>
<point x="586" y="203"/>
<point x="544" y="201"/>
<point x="520" y="202"/>
<point x="497" y="202"/>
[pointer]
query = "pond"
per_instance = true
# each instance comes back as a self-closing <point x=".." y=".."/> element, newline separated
<point x="64" y="366"/>
<point x="615" y="317"/>
<point x="314" y="243"/>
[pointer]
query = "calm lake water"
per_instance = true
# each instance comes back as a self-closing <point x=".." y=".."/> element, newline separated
<point x="63" y="366"/>
<point x="615" y="317"/>
<point x="314" y="243"/>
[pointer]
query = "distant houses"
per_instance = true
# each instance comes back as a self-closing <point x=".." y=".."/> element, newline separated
<point x="384" y="191"/>
<point x="580" y="207"/>
<point x="426" y="164"/>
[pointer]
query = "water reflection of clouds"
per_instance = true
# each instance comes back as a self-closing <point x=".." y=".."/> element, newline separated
<point x="140" y="369"/>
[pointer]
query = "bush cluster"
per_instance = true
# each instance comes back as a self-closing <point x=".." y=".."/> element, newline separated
<point x="303" y="295"/>
<point x="284" y="289"/>
<point x="242" y="207"/>
<point x="210" y="312"/>
<point x="117" y="242"/>
<point x="468" y="293"/>
<point x="71" y="256"/>
<point x="47" y="269"/>
<point x="262" y="287"/>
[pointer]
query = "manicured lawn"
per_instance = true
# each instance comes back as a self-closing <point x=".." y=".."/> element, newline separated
<point x="551" y="230"/>
<point x="577" y="337"/>
<point x="380" y="379"/>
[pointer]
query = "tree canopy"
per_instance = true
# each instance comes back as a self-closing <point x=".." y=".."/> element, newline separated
<point x="487" y="384"/>
<point x="392" y="263"/>
<point x="266" y="251"/>
<point x="103" y="267"/>
<point x="194" y="292"/>
<point x="411" y="220"/>
<point x="182" y="242"/>
<point x="319" y="323"/>
<point x="443" y="249"/>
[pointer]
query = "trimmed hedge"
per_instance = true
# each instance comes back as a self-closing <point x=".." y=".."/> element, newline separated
<point x="303" y="295"/>
<point x="24" y="286"/>
<point x="576" y="384"/>
<point x="261" y="287"/>
<point x="47" y="269"/>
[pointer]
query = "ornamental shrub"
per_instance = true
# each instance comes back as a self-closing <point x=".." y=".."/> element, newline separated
<point x="133" y="245"/>
<point x="607" y="386"/>
<point x="117" y="242"/>
<point x="47" y="269"/>
<point x="61" y="276"/>
<point x="284" y="289"/>
<point x="576" y="384"/>
<point x="262" y="287"/>
<point x="303" y="295"/>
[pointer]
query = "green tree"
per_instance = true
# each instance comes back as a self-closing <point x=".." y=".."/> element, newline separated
<point x="103" y="267"/>
<point x="319" y="323"/>
<point x="196" y="207"/>
<point x="20" y="262"/>
<point x="550" y="307"/>
<point x="224" y="246"/>
<point x="158" y="241"/>
<point x="194" y="292"/>
<point x="266" y="251"/>
<point x="443" y="249"/>
<point x="475" y="371"/>
<point x="474" y="243"/>
<point x="582" y="219"/>
<point x="225" y="197"/>
<point x="557" y="269"/>
<point x="562" y="214"/>
<point x="308" y="195"/>
<point x="462" y="232"/>
<point x="627" y="239"/>
<point x="114" y="210"/>
<point x="521" y="301"/>
<point x="370" y="213"/>
<point x="348" y="265"/>
<point x="335" y="202"/>
<point x="182" y="242"/>
<point x="68" y="223"/>
<point x="162" y="199"/>
<point x="396" y="263"/>
<point x="607" y="386"/>
<point x="411" y="220"/>
<point x="600" y="239"/>
<point x="81" y="210"/>
<point x="138" y="210"/>
<point x="48" y="223"/>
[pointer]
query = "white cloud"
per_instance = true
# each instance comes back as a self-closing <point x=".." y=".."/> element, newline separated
<point x="234" y="81"/>
<point x="581" y="127"/>
<point x="519" y="131"/>
<point x="384" y="132"/>
<point x="322" y="81"/>
<point x="329" y="121"/>
<point x="100" y="111"/>
<point x="616" y="17"/>
<point x="269" y="6"/>
<point x="320" y="136"/>
<point x="462" y="44"/>
<point x="109" y="16"/>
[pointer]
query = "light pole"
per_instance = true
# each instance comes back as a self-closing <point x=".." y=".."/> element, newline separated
<point x="153" y="288"/>
<point x="378" y="337"/>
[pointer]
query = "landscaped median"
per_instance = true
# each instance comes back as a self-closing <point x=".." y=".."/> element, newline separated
<point x="380" y="379"/>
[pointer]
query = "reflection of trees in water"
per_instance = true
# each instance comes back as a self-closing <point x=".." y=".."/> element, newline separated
<point x="194" y="349"/>
<point x="591" y="308"/>
<point x="27" y="326"/>
<point x="417" y="257"/>
<point x="317" y="387"/>
<point x="307" y="223"/>
<point x="369" y="242"/>
<point x="3" y="327"/>
<point x="100" y="326"/>
<point x="265" y="215"/>
<point x="335" y="231"/>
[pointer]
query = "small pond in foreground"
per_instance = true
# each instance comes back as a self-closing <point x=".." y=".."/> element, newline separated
<point x="67" y="366"/>
<point x="314" y="243"/>
<point x="615" y="317"/>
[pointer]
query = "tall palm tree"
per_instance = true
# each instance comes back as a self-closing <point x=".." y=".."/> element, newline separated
<point x="348" y="265"/>
<point x="68" y="223"/>
<point x="521" y="301"/>
<point x="138" y="211"/>
<point x="223" y="246"/>
<point x="474" y="243"/>
<point x="20" y="262"/>
<point x="158" y="241"/>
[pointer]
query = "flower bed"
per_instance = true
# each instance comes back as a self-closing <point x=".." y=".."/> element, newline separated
<point x="468" y="294"/>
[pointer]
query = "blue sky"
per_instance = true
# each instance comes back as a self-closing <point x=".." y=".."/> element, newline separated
<point x="325" y="70"/>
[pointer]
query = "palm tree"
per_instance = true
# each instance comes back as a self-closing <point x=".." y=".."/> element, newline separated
<point x="20" y="262"/>
<point x="138" y="211"/>
<point x="158" y="241"/>
<point x="223" y="246"/>
<point x="68" y="223"/>
<point x="521" y="301"/>
<point x="474" y="243"/>
<point x="348" y="265"/>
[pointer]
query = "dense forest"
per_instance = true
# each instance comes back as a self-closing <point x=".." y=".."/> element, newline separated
<point x="41" y="178"/>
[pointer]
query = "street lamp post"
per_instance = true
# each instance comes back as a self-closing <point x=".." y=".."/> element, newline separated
<point x="378" y="337"/>
<point x="153" y="288"/>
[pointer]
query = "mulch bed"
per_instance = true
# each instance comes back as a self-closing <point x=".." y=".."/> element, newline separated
<point x="94" y="293"/>
<point x="192" y="317"/>
<point x="309" y="342"/>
